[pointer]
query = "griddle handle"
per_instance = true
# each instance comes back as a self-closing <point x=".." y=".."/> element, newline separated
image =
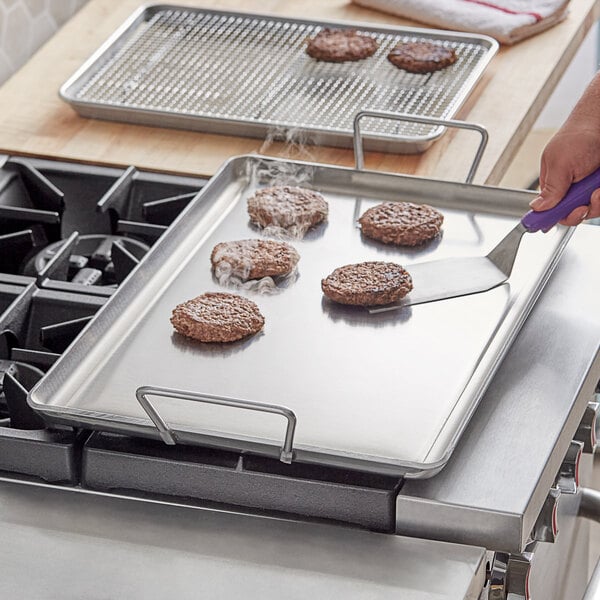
<point x="169" y="436"/>
<point x="359" y="156"/>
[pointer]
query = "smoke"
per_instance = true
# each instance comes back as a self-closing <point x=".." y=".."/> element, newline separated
<point x="293" y="144"/>
<point x="266" y="285"/>
<point x="290" y="143"/>
<point x="273" y="173"/>
<point x="236" y="271"/>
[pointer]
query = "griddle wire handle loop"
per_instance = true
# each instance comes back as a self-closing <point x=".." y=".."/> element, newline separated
<point x="169" y="436"/>
<point x="359" y="156"/>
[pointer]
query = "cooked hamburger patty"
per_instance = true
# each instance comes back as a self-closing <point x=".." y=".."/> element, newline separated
<point x="422" y="57"/>
<point x="287" y="207"/>
<point x="217" y="317"/>
<point x="254" y="259"/>
<point x="401" y="223"/>
<point x="340" y="45"/>
<point x="367" y="284"/>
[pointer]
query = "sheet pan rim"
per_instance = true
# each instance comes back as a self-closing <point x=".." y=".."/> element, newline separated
<point x="421" y="469"/>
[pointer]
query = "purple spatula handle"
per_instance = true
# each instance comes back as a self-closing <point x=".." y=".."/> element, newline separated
<point x="579" y="194"/>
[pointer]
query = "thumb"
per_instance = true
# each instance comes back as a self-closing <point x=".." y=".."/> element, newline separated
<point x="555" y="180"/>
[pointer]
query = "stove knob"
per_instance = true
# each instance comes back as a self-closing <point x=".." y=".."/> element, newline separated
<point x="498" y="577"/>
<point x="508" y="577"/>
<point x="546" y="526"/>
<point x="519" y="568"/>
<point x="567" y="480"/>
<point x="587" y="428"/>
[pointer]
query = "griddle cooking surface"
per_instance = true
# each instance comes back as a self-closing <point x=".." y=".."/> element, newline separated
<point x="391" y="390"/>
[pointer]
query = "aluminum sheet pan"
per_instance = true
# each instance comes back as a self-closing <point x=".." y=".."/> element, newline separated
<point x="249" y="75"/>
<point x="389" y="392"/>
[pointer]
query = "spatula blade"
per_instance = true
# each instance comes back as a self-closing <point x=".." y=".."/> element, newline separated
<point x="448" y="278"/>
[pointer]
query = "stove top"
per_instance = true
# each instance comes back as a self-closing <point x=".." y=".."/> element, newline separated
<point x="69" y="235"/>
<point x="83" y="225"/>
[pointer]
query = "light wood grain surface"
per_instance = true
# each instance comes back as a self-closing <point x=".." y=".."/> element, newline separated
<point x="512" y="92"/>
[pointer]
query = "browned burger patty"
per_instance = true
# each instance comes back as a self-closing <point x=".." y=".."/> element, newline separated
<point x="422" y="57"/>
<point x="285" y="206"/>
<point x="254" y="259"/>
<point x="341" y="45"/>
<point x="217" y="317"/>
<point x="367" y="284"/>
<point x="401" y="223"/>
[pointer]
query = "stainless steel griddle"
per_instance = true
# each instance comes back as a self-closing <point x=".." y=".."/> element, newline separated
<point x="244" y="74"/>
<point x="388" y="392"/>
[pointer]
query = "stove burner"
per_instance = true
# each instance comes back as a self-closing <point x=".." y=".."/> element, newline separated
<point x="27" y="445"/>
<point x="43" y="203"/>
<point x="40" y="323"/>
<point x="16" y="379"/>
<point x="95" y="259"/>
<point x="17" y="247"/>
<point x="30" y="207"/>
<point x="7" y="367"/>
<point x="69" y="234"/>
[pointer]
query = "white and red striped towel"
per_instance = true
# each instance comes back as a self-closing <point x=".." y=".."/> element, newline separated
<point x="509" y="21"/>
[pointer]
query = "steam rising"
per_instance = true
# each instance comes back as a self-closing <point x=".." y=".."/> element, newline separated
<point x="233" y="268"/>
<point x="294" y="232"/>
<point x="296" y="144"/>
<point x="267" y="285"/>
<point x="270" y="174"/>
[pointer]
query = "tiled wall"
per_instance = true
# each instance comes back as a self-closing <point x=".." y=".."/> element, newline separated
<point x="25" y="25"/>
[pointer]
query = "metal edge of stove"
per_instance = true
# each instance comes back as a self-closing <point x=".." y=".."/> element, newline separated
<point x="77" y="486"/>
<point x="426" y="512"/>
<point x="276" y="557"/>
<point x="513" y="203"/>
<point x="494" y="485"/>
<point x="164" y="500"/>
<point x="118" y="463"/>
<point x="249" y="128"/>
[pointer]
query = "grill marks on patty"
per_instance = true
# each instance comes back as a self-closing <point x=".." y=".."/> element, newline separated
<point x="253" y="259"/>
<point x="287" y="207"/>
<point x="422" y="57"/>
<point x="341" y="45"/>
<point x="367" y="284"/>
<point x="401" y="223"/>
<point x="217" y="317"/>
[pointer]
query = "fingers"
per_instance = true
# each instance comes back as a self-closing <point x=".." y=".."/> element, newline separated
<point x="555" y="181"/>
<point x="594" y="212"/>
<point x="577" y="216"/>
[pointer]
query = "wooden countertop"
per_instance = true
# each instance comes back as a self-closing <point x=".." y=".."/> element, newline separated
<point x="507" y="100"/>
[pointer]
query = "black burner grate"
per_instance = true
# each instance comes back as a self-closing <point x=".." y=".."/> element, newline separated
<point x="69" y="235"/>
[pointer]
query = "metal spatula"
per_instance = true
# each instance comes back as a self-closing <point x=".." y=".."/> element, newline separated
<point x="452" y="277"/>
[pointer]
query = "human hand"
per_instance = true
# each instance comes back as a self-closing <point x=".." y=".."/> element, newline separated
<point x="572" y="154"/>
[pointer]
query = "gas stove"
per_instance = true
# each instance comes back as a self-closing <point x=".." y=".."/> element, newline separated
<point x="70" y="234"/>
